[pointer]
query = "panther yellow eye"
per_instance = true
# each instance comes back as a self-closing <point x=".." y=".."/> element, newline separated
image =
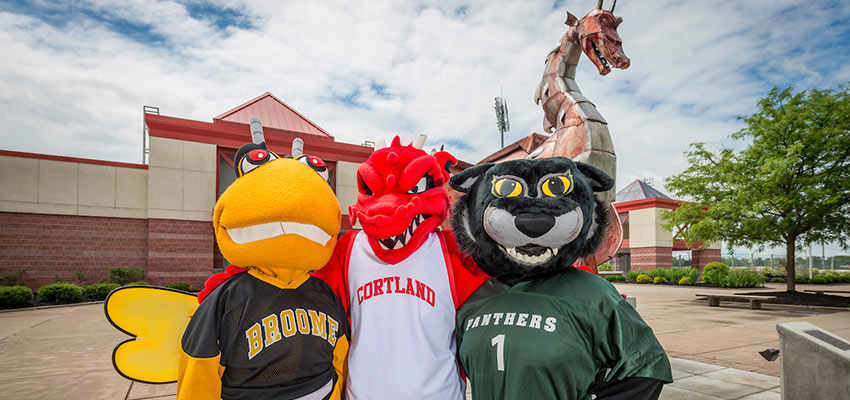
<point x="556" y="186"/>
<point x="506" y="187"/>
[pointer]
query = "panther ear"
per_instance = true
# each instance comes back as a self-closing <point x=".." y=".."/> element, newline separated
<point x="464" y="180"/>
<point x="599" y="181"/>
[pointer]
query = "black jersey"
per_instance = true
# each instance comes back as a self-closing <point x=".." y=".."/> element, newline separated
<point x="270" y="342"/>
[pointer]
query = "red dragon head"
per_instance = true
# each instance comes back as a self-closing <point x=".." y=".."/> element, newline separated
<point x="401" y="198"/>
<point x="597" y="34"/>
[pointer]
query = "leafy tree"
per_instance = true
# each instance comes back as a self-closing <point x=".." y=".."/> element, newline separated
<point x="790" y="185"/>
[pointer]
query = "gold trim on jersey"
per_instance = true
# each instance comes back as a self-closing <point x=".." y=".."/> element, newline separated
<point x="280" y="278"/>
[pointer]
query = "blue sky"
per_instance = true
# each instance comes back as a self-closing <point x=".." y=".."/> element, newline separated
<point x="77" y="73"/>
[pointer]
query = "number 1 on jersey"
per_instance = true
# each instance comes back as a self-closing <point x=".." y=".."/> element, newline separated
<point x="499" y="342"/>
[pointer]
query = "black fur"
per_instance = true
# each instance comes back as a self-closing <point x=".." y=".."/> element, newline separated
<point x="490" y="254"/>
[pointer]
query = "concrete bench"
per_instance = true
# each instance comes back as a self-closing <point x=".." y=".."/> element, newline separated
<point x="822" y="291"/>
<point x="755" y="301"/>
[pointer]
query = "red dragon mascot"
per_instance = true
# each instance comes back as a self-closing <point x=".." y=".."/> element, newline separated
<point x="402" y="279"/>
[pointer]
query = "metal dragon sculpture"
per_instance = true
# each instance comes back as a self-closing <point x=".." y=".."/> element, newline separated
<point x="580" y="131"/>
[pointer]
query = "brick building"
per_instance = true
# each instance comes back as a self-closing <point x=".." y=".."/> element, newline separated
<point x="646" y="243"/>
<point x="60" y="216"/>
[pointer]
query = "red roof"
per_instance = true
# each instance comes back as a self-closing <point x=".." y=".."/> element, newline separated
<point x="516" y="150"/>
<point x="274" y="113"/>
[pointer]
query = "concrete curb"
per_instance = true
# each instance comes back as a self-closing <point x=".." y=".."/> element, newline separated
<point x="8" y="310"/>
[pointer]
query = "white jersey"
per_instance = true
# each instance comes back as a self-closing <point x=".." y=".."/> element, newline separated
<point x="403" y="325"/>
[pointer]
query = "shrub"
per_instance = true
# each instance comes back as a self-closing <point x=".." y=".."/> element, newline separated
<point x="123" y="275"/>
<point x="605" y="267"/>
<point x="819" y="280"/>
<point x="800" y="278"/>
<point x="674" y="274"/>
<point x="185" y="286"/>
<point x="83" y="277"/>
<point x="633" y="275"/>
<point x="844" y="278"/>
<point x="13" y="278"/>
<point x="643" y="278"/>
<point x="99" y="290"/>
<point x="743" y="278"/>
<point x="686" y="281"/>
<point x="768" y="272"/>
<point x="777" y="280"/>
<point x="715" y="272"/>
<point x="60" y="293"/>
<point x="832" y="277"/>
<point x="14" y="295"/>
<point x="659" y="280"/>
<point x="139" y="283"/>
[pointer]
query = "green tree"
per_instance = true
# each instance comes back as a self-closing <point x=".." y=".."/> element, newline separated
<point x="790" y="184"/>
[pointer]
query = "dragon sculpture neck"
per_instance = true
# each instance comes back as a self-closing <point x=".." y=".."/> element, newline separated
<point x="580" y="131"/>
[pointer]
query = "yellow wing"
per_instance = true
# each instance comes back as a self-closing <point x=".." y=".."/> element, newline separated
<point x="156" y="318"/>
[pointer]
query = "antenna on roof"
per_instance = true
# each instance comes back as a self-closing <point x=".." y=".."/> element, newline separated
<point x="502" y="121"/>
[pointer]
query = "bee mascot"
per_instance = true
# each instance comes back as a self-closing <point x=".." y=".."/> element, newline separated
<point x="271" y="332"/>
<point x="542" y="329"/>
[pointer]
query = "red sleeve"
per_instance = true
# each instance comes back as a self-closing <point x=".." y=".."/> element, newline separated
<point x="335" y="272"/>
<point x="467" y="276"/>
<point x="217" y="279"/>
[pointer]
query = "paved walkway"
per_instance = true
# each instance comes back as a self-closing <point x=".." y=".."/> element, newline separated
<point x="65" y="352"/>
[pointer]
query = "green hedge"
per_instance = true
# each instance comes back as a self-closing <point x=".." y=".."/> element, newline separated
<point x="743" y="278"/>
<point x="180" y="286"/>
<point x="99" y="290"/>
<point x="124" y="276"/>
<point x="60" y="293"/>
<point x="819" y="280"/>
<point x="715" y="272"/>
<point x="615" y="278"/>
<point x="14" y="295"/>
<point x="643" y="278"/>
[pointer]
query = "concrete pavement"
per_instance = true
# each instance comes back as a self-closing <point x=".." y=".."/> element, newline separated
<point x="65" y="352"/>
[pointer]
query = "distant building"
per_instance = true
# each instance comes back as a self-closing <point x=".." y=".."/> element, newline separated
<point x="60" y="216"/>
<point x="646" y="243"/>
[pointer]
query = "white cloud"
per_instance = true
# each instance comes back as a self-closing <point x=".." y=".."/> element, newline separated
<point x="77" y="88"/>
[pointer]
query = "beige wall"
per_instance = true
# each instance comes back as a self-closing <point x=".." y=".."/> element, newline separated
<point x="645" y="229"/>
<point x="70" y="188"/>
<point x="179" y="183"/>
<point x="181" y="180"/>
<point x="346" y="185"/>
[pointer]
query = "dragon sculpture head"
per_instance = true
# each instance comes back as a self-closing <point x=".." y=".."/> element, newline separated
<point x="597" y="35"/>
<point x="401" y="198"/>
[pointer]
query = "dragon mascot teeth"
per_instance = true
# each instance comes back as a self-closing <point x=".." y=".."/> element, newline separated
<point x="272" y="332"/>
<point x="402" y="279"/>
<point x="542" y="329"/>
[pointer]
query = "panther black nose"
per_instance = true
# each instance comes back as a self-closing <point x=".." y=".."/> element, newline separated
<point x="534" y="225"/>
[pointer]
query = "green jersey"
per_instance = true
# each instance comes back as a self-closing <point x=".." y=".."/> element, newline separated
<point x="554" y="338"/>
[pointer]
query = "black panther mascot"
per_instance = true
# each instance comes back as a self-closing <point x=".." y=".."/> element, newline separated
<point x="542" y="329"/>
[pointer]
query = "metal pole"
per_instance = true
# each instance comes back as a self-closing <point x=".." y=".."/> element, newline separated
<point x="810" y="261"/>
<point x="822" y="256"/>
<point x="771" y="260"/>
